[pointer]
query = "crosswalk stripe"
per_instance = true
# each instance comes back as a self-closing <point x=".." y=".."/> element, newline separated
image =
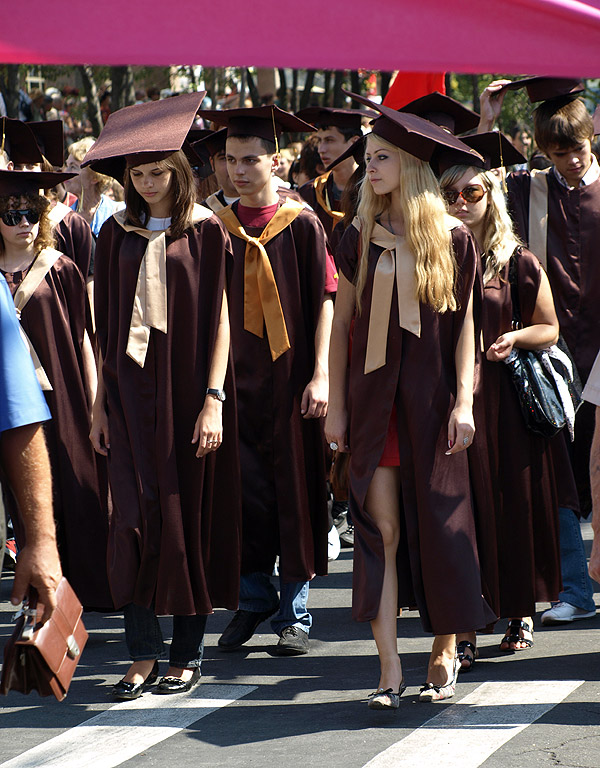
<point x="128" y="728"/>
<point x="465" y="734"/>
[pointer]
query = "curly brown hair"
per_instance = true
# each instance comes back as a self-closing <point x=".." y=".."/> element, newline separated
<point x="45" y="237"/>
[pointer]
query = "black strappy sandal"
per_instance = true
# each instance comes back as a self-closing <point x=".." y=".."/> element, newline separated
<point x="461" y="652"/>
<point x="512" y="636"/>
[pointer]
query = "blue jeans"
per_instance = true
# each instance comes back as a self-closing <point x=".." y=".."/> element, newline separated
<point x="145" y="641"/>
<point x="577" y="586"/>
<point x="258" y="594"/>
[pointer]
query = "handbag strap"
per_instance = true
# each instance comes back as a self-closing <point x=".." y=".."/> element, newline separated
<point x="517" y="320"/>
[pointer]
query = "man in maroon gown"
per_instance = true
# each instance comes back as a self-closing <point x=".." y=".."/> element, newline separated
<point x="278" y="284"/>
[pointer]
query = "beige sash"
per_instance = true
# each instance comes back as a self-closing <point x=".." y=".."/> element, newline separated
<point x="396" y="264"/>
<point x="262" y="306"/>
<point x="214" y="203"/>
<point x="538" y="215"/>
<point x="320" y="187"/>
<point x="39" y="269"/>
<point x="58" y="213"/>
<point x="150" y="300"/>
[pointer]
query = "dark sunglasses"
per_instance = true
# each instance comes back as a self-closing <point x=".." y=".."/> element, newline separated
<point x="13" y="218"/>
<point x="471" y="194"/>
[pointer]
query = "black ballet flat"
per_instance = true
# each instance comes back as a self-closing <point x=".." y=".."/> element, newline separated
<point x="176" y="685"/>
<point x="125" y="691"/>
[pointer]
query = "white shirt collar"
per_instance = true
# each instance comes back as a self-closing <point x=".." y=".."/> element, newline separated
<point x="591" y="175"/>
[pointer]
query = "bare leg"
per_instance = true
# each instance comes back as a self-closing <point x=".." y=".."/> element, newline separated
<point x="439" y="670"/>
<point x="382" y="504"/>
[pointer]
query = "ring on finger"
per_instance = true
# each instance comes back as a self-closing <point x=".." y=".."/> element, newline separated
<point x="466" y="440"/>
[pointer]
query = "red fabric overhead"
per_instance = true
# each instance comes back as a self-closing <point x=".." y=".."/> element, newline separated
<point x="408" y="86"/>
<point x="551" y="37"/>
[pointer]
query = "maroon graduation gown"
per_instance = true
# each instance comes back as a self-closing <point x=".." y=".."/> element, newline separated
<point x="54" y="320"/>
<point x="74" y="238"/>
<point x="282" y="455"/>
<point x="437" y="562"/>
<point x="573" y="269"/>
<point x="523" y="478"/>
<point x="307" y="191"/>
<point x="175" y="529"/>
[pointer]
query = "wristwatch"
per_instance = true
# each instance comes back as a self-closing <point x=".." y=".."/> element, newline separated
<point x="218" y="393"/>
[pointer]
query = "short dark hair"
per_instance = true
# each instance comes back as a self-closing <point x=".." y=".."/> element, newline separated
<point x="563" y="122"/>
<point x="266" y="144"/>
<point x="347" y="131"/>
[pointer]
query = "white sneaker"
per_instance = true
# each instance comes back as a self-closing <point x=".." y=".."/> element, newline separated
<point x="563" y="613"/>
<point x="333" y="544"/>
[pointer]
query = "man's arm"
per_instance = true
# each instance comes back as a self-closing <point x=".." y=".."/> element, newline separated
<point x="315" y="396"/>
<point x="595" y="482"/>
<point x="25" y="461"/>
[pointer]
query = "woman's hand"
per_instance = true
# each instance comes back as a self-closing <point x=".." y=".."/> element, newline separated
<point x="208" y="429"/>
<point x="490" y="105"/>
<point x="336" y="428"/>
<point x="501" y="348"/>
<point x="314" y="398"/>
<point x="461" y="429"/>
<point x="99" y="430"/>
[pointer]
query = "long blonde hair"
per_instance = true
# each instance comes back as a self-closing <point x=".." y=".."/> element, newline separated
<point x="427" y="232"/>
<point x="499" y="239"/>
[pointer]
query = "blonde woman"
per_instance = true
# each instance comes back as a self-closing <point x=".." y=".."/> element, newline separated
<point x="90" y="187"/>
<point x="406" y="277"/>
<point x="523" y="482"/>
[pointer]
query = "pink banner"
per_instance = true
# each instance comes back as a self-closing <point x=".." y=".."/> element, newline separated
<point x="553" y="37"/>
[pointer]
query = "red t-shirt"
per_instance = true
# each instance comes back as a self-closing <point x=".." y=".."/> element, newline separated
<point x="260" y="217"/>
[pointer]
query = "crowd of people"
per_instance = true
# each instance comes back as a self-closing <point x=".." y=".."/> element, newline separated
<point x="242" y="357"/>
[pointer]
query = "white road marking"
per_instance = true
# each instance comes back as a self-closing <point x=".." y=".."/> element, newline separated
<point x="467" y="733"/>
<point x="128" y="728"/>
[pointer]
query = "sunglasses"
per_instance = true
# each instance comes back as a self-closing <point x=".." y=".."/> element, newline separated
<point x="471" y="194"/>
<point x="13" y="218"/>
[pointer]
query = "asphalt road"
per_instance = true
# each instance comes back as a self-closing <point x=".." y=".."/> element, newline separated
<point x="539" y="707"/>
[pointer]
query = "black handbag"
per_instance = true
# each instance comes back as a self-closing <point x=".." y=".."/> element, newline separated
<point x="546" y="381"/>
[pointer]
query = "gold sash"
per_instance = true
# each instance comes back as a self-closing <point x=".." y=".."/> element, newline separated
<point x="320" y="187"/>
<point x="213" y="202"/>
<point x="150" y="300"/>
<point x="58" y="213"/>
<point x="396" y="264"/>
<point x="538" y="215"/>
<point x="262" y="306"/>
<point x="39" y="269"/>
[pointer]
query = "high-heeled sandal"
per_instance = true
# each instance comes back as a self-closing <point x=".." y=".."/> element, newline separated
<point x="512" y="636"/>
<point x="386" y="699"/>
<point x="461" y="652"/>
<point x="432" y="692"/>
<point x="127" y="691"/>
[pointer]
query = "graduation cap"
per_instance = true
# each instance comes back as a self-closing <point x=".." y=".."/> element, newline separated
<point x="50" y="140"/>
<point x="18" y="141"/>
<point x="544" y="88"/>
<point x="356" y="151"/>
<point x="417" y="136"/>
<point x="267" y="122"/>
<point x="210" y="144"/>
<point x="17" y="183"/>
<point x="443" y="111"/>
<point x="495" y="148"/>
<point x="338" y="118"/>
<point x="144" y="133"/>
